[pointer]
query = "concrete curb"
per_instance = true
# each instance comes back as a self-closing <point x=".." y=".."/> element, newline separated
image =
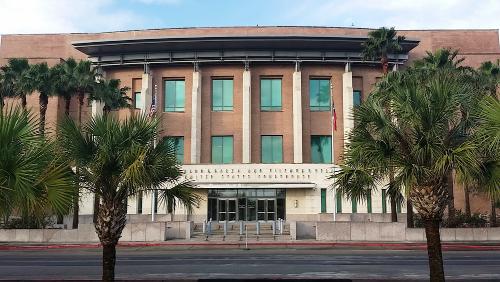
<point x="258" y="245"/>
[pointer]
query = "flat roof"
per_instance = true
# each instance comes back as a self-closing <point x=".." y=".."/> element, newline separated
<point x="95" y="48"/>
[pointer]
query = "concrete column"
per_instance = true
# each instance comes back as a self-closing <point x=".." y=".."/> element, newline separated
<point x="247" y="118"/>
<point x="347" y="101"/>
<point x="147" y="92"/>
<point x="196" y="118"/>
<point x="97" y="108"/>
<point x="297" y="115"/>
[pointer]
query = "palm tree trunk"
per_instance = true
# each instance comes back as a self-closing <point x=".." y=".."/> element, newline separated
<point x="23" y="101"/>
<point x="467" y="200"/>
<point x="43" y="101"/>
<point x="76" y="207"/>
<point x="97" y="201"/>
<point x="108" y="262"/>
<point x="385" y="65"/>
<point x="493" y="217"/>
<point x="111" y="220"/>
<point x="451" y="203"/>
<point x="394" y="212"/>
<point x="67" y="105"/>
<point x="409" y="214"/>
<point x="434" y="250"/>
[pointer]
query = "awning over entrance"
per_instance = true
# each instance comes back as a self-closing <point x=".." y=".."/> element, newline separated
<point x="226" y="185"/>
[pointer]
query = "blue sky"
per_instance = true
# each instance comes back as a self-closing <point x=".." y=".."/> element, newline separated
<point x="51" y="16"/>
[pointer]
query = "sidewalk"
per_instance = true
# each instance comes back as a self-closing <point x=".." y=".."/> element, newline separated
<point x="304" y="244"/>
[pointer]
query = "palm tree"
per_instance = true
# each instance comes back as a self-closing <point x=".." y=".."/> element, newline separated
<point x="111" y="95"/>
<point x="428" y="139"/>
<point x="441" y="59"/>
<point x="5" y="89"/>
<point x="65" y="82"/>
<point x="380" y="43"/>
<point x="491" y="75"/>
<point x="15" y="74"/>
<point x="84" y="77"/>
<point x="33" y="180"/>
<point x="42" y="80"/>
<point x="119" y="160"/>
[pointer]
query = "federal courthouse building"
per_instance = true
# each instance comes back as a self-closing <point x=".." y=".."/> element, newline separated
<point x="259" y="115"/>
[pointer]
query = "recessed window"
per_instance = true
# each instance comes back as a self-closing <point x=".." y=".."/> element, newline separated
<point x="323" y="200"/>
<point x="175" y="96"/>
<point x="319" y="95"/>
<point x="321" y="149"/>
<point x="356" y="98"/>
<point x="222" y="149"/>
<point x="177" y="143"/>
<point x="222" y="95"/>
<point x="270" y="94"/>
<point x="369" y="200"/>
<point x="338" y="197"/>
<point x="138" y="101"/>
<point x="272" y="149"/>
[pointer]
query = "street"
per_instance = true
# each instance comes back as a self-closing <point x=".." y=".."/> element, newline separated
<point x="164" y="263"/>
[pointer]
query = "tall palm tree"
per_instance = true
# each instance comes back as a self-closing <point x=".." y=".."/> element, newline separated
<point x="119" y="160"/>
<point x="84" y="77"/>
<point x="15" y="74"/>
<point x="42" y="78"/>
<point x="111" y="95"/>
<point x="380" y="43"/>
<point x="428" y="139"/>
<point x="5" y="89"/>
<point x="441" y="59"/>
<point x="33" y="180"/>
<point x="491" y="75"/>
<point x="65" y="82"/>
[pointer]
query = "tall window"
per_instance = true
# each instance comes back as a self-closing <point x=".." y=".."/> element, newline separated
<point x="271" y="149"/>
<point x="319" y="95"/>
<point x="354" y="205"/>
<point x="222" y="95"/>
<point x="222" y="149"/>
<point x="321" y="149"/>
<point x="270" y="94"/>
<point x="338" y="197"/>
<point x="178" y="144"/>
<point x="139" y="203"/>
<point x="138" y="101"/>
<point x="174" y="95"/>
<point x="356" y="97"/>
<point x="323" y="200"/>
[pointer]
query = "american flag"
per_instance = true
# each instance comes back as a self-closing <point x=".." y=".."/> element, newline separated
<point x="333" y="112"/>
<point x="152" y="109"/>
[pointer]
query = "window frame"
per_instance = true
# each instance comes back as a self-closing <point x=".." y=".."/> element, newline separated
<point x="320" y="107"/>
<point x="360" y="97"/>
<point x="176" y="108"/>
<point x="271" y="108"/>
<point x="222" y="108"/>
<point x="323" y="200"/>
<point x="181" y="161"/>
<point x="330" y="148"/>
<point x="222" y="150"/>
<point x="135" y="99"/>
<point x="272" y="138"/>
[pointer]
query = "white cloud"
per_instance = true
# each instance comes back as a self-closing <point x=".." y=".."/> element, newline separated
<point x="403" y="14"/>
<point x="51" y="16"/>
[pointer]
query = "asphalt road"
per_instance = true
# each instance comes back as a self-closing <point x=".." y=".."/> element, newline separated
<point x="162" y="263"/>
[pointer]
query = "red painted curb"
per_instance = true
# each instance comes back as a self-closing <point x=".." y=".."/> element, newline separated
<point x="393" y="246"/>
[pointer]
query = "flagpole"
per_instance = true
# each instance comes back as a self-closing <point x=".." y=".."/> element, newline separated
<point x="332" y="121"/>
<point x="152" y="111"/>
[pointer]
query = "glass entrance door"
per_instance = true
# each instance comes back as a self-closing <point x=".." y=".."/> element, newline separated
<point x="266" y="209"/>
<point x="227" y="209"/>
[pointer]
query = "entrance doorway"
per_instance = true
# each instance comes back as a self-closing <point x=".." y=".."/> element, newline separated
<point x="227" y="209"/>
<point x="246" y="204"/>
